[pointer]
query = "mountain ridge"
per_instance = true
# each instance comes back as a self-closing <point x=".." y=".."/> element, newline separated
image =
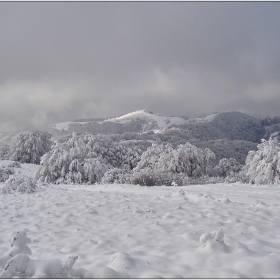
<point x="227" y="134"/>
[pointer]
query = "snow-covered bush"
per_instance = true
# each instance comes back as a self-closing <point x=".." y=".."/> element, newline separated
<point x="29" y="146"/>
<point x="240" y="177"/>
<point x="192" y="161"/>
<point x="85" y="158"/>
<point x="202" y="180"/>
<point x="5" y="173"/>
<point x="162" y="164"/>
<point x="72" y="161"/>
<point x="117" y="176"/>
<point x="115" y="154"/>
<point x="150" y="177"/>
<point x="62" y="166"/>
<point x="154" y="156"/>
<point x="263" y="166"/>
<point x="4" y="151"/>
<point x="18" y="184"/>
<point x="227" y="166"/>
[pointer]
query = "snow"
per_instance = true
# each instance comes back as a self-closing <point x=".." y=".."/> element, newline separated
<point x="26" y="169"/>
<point x="129" y="116"/>
<point x="111" y="231"/>
<point x="274" y="134"/>
<point x="204" y="119"/>
<point x="160" y="121"/>
<point x="65" y="125"/>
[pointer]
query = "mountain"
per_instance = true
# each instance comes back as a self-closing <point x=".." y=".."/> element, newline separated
<point x="227" y="134"/>
<point x="228" y="125"/>
<point x="141" y="121"/>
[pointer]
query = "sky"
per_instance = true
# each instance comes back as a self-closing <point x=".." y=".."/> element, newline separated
<point x="62" y="61"/>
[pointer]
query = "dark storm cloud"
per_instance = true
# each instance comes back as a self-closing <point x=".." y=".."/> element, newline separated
<point x="66" y="60"/>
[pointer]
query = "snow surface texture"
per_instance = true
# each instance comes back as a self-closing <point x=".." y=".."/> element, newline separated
<point x="112" y="231"/>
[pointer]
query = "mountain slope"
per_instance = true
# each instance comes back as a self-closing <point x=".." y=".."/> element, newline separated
<point x="138" y="121"/>
<point x="149" y="120"/>
<point x="229" y="125"/>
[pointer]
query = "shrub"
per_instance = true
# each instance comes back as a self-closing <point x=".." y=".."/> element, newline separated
<point x="18" y="184"/>
<point x="227" y="167"/>
<point x="5" y="173"/>
<point x="149" y="177"/>
<point x="117" y="176"/>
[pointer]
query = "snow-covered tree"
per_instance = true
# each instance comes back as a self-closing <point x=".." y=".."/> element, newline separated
<point x="115" y="154"/>
<point x="227" y="166"/>
<point x="5" y="173"/>
<point x="154" y="157"/>
<point x="117" y="176"/>
<point x="18" y="183"/>
<point x="187" y="159"/>
<point x="192" y="161"/>
<point x="29" y="146"/>
<point x="263" y="166"/>
<point x="73" y="161"/>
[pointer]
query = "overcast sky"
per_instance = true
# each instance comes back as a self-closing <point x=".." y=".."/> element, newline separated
<point x="60" y="61"/>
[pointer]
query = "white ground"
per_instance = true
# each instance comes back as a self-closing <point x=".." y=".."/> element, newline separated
<point x="132" y="231"/>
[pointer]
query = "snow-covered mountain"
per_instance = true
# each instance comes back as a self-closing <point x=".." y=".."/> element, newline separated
<point x="146" y="119"/>
<point x="228" y="125"/>
<point x="138" y="121"/>
<point x="227" y="134"/>
<point x="150" y="120"/>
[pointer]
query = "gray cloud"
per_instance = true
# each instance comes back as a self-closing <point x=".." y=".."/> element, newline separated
<point x="66" y="60"/>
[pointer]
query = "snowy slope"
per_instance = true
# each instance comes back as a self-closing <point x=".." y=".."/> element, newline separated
<point x="160" y="121"/>
<point x="147" y="119"/>
<point x="146" y="232"/>
<point x="204" y="119"/>
<point x="157" y="122"/>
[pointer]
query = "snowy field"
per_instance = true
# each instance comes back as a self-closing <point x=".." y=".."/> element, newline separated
<point x="147" y="232"/>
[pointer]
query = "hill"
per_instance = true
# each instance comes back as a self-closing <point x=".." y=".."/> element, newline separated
<point x="228" y="134"/>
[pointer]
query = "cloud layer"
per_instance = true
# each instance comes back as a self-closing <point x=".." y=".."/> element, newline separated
<point x="66" y="60"/>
